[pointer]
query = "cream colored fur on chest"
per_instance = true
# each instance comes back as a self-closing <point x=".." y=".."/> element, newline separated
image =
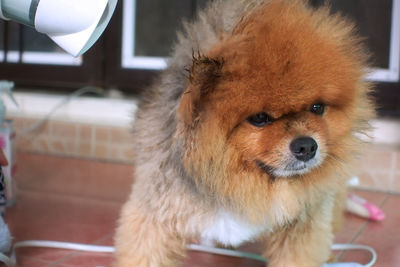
<point x="230" y="230"/>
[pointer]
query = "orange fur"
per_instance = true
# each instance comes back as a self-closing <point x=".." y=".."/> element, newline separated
<point x="198" y="155"/>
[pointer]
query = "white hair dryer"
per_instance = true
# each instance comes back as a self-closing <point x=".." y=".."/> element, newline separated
<point x="74" y="25"/>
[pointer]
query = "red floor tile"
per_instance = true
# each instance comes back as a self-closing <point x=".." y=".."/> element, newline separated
<point x="90" y="258"/>
<point x="44" y="216"/>
<point x="40" y="256"/>
<point x="79" y="201"/>
<point x="86" y="259"/>
<point x="32" y="262"/>
<point x="78" y="177"/>
<point x="41" y="216"/>
<point x="383" y="236"/>
<point x="353" y="224"/>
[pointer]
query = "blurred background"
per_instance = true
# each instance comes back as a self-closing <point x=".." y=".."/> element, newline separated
<point x="138" y="40"/>
<point x="132" y="51"/>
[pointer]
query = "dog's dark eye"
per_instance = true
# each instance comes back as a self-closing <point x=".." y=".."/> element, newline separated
<point x="260" y="119"/>
<point x="318" y="109"/>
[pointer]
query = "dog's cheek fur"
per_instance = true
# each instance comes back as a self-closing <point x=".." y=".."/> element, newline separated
<point x="223" y="172"/>
<point x="216" y="97"/>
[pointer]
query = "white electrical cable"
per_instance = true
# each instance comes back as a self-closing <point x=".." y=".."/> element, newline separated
<point x="11" y="262"/>
<point x="219" y="251"/>
<point x="234" y="253"/>
<point x="64" y="245"/>
<point x="357" y="247"/>
<point x="225" y="252"/>
<point x="77" y="93"/>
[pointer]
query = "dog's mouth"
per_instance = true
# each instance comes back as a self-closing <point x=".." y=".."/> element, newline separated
<point x="289" y="169"/>
<point x="266" y="168"/>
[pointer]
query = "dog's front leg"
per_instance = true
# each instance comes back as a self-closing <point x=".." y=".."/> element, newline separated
<point x="305" y="242"/>
<point x="143" y="241"/>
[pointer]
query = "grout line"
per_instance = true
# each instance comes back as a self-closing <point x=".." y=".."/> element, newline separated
<point x="35" y="259"/>
<point x="364" y="225"/>
<point x="392" y="169"/>
<point x="92" y="141"/>
<point x="359" y="232"/>
<point x="63" y="259"/>
<point x="356" y="235"/>
<point x="45" y="143"/>
<point x="109" y="145"/>
<point x="362" y="228"/>
<point x="104" y="238"/>
<point x="388" y="195"/>
<point x="77" y="139"/>
<point x="51" y="128"/>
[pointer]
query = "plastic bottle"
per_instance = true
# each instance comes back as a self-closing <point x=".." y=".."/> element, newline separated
<point x="7" y="144"/>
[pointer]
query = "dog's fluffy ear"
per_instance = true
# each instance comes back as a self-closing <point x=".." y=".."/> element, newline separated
<point x="203" y="77"/>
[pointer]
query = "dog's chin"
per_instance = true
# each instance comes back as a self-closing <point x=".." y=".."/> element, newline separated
<point x="287" y="172"/>
<point x="292" y="169"/>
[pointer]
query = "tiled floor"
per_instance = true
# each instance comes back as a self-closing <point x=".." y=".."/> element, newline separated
<point x="78" y="201"/>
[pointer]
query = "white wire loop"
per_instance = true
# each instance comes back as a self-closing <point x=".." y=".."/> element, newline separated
<point x="194" y="247"/>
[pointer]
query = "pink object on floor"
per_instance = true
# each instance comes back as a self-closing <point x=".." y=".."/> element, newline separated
<point x="361" y="207"/>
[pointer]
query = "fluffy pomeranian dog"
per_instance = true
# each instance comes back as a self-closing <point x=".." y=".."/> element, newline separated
<point x="249" y="134"/>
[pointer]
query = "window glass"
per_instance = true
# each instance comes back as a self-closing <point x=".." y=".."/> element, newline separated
<point x="374" y="22"/>
<point x="156" y="24"/>
<point x="36" y="42"/>
<point x="1" y="41"/>
<point x="36" y="48"/>
<point x="149" y="30"/>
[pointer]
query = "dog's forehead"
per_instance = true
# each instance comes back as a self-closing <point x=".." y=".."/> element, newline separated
<point x="281" y="83"/>
<point x="252" y="97"/>
<point x="285" y="77"/>
<point x="284" y="64"/>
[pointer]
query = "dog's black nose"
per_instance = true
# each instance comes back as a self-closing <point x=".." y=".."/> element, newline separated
<point x="304" y="148"/>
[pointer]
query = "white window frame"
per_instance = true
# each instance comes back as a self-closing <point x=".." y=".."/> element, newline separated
<point x="46" y="58"/>
<point x="130" y="61"/>
<point x="392" y="73"/>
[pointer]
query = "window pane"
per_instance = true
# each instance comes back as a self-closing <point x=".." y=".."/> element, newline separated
<point x="156" y="25"/>
<point x="1" y="41"/>
<point x="36" y="48"/>
<point x="32" y="40"/>
<point x="1" y="34"/>
<point x="374" y="19"/>
<point x="149" y="30"/>
<point x="37" y="42"/>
